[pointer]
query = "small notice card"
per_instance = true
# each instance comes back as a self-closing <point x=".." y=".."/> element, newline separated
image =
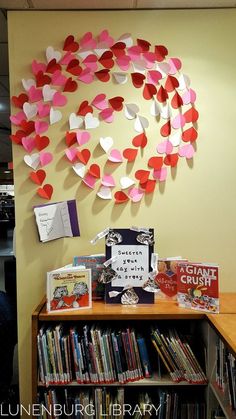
<point x="57" y="220"/>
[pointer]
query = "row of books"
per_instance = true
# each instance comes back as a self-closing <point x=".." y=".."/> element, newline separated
<point x="100" y="355"/>
<point x="226" y="373"/>
<point x="117" y="404"/>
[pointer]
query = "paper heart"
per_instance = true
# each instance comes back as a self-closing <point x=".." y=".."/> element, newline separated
<point x="46" y="191"/>
<point x="131" y="110"/>
<point x="27" y="84"/>
<point x="106" y="60"/>
<point x="176" y="101"/>
<point x="70" y="85"/>
<point x="116" y="103"/>
<point x="160" y="174"/>
<point x="17" y="137"/>
<point x="106" y="143"/>
<point x="184" y="82"/>
<point x="134" y="52"/>
<point x="186" y="151"/>
<point x="118" y="49"/>
<point x="67" y="58"/>
<point x="120" y="78"/>
<point x="79" y="169"/>
<point x="164" y="147"/>
<point x="155" y="162"/>
<point x="164" y="69"/>
<point x="104" y="193"/>
<point x="137" y="79"/>
<point x="171" y="160"/>
<point x="71" y="154"/>
<point x="139" y="66"/>
<point x="153" y="77"/>
<point x="55" y="116"/>
<point x="100" y="102"/>
<point x="178" y="121"/>
<point x="70" y="44"/>
<point x="48" y="93"/>
<point x="155" y="108"/>
<point x="166" y="111"/>
<point x="108" y="181"/>
<point x="91" y="62"/>
<point x="126" y="38"/>
<point x="91" y="122"/>
<point x="175" y="139"/>
<point x="59" y="99"/>
<point x="130" y="154"/>
<point x="88" y="41"/>
<point x="148" y="186"/>
<point x="126" y="182"/>
<point x="74" y="68"/>
<point x="30" y="110"/>
<point x="101" y="47"/>
<point x="145" y="45"/>
<point x="43" y="110"/>
<point x="37" y="66"/>
<point x="82" y="137"/>
<point x="106" y="38"/>
<point x="18" y="101"/>
<point x="160" y="52"/>
<point x="107" y="115"/>
<point x="136" y="194"/>
<point x="84" y="52"/>
<point x="103" y="75"/>
<point x="32" y="160"/>
<point x="84" y="108"/>
<point x="42" y="79"/>
<point x="94" y="171"/>
<point x="189" y="96"/>
<point x="17" y="118"/>
<point x="58" y="79"/>
<point x="171" y="84"/>
<point x="28" y="126"/>
<point x="38" y="177"/>
<point x="167" y="284"/>
<point x="35" y="95"/>
<point x="45" y="158"/>
<point x="175" y="65"/>
<point x="41" y="142"/>
<point x="149" y="91"/>
<point x="75" y="121"/>
<point x="52" y="54"/>
<point x="28" y="143"/>
<point x="166" y="129"/>
<point x="191" y="115"/>
<point x="89" y="181"/>
<point x="141" y="123"/>
<point x="140" y="141"/>
<point x="120" y="197"/>
<point x="115" y="156"/>
<point x="86" y="76"/>
<point x="123" y="62"/>
<point x="53" y="66"/>
<point x="84" y="155"/>
<point x="142" y="175"/>
<point x="189" y="135"/>
<point x="150" y="59"/>
<point x="71" y="138"/>
<point x="162" y="95"/>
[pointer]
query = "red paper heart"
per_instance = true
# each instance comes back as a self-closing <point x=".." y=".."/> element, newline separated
<point x="189" y="135"/>
<point x="171" y="84"/>
<point x="162" y="95"/>
<point x="191" y="115"/>
<point x="155" y="162"/>
<point x="167" y="284"/>
<point x="145" y="45"/>
<point x="38" y="177"/>
<point x="106" y="59"/>
<point x="148" y="186"/>
<point x="27" y="126"/>
<point x="120" y="197"/>
<point x="116" y="103"/>
<point x="42" y="79"/>
<point x="118" y="49"/>
<point x="130" y="154"/>
<point x="166" y="129"/>
<point x="46" y="191"/>
<point x="138" y="79"/>
<point x="142" y="175"/>
<point x="140" y="140"/>
<point x="171" y="159"/>
<point x="94" y="170"/>
<point x="17" y="138"/>
<point x="70" y="138"/>
<point x="149" y="91"/>
<point x="103" y="75"/>
<point x="41" y="142"/>
<point x="18" y="101"/>
<point x="160" y="52"/>
<point x="84" y="108"/>
<point x="70" y="86"/>
<point x="176" y="101"/>
<point x="74" y="68"/>
<point x="53" y="66"/>
<point x="84" y="155"/>
<point x="70" y="44"/>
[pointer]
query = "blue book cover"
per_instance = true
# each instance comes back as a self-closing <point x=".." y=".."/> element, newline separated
<point x="144" y="357"/>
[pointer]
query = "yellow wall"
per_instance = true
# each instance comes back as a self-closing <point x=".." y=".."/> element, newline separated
<point x="194" y="213"/>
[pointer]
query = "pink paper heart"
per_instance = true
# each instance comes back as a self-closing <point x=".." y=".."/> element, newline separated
<point x="41" y="126"/>
<point x="108" y="180"/>
<point x="35" y="95"/>
<point x="45" y="158"/>
<point x="59" y="99"/>
<point x="58" y="79"/>
<point x="87" y="41"/>
<point x="134" y="52"/>
<point x="123" y="62"/>
<point x="153" y="77"/>
<point x="43" y="110"/>
<point x="107" y="115"/>
<point x="189" y="97"/>
<point x="89" y="180"/>
<point x="82" y="137"/>
<point x="91" y="62"/>
<point x="71" y="154"/>
<point x="135" y="194"/>
<point x="100" y="102"/>
<point x="86" y="76"/>
<point x="178" y="121"/>
<point x="67" y="58"/>
<point x="150" y="58"/>
<point x="160" y="174"/>
<point x="115" y="156"/>
<point x="165" y="147"/>
<point x="106" y="38"/>
<point x="186" y="151"/>
<point x="36" y="67"/>
<point x="28" y="143"/>
<point x="175" y="65"/>
<point x="17" y="118"/>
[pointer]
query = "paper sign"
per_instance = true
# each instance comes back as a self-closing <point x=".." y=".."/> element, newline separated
<point x="132" y="265"/>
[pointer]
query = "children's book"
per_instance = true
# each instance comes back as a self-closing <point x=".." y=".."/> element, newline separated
<point x="166" y="278"/>
<point x="198" y="286"/>
<point x="69" y="289"/>
<point x="95" y="263"/>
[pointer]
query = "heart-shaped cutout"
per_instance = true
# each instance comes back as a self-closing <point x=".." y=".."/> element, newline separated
<point x="91" y="122"/>
<point x="137" y="79"/>
<point x="94" y="170"/>
<point x="45" y="158"/>
<point x="108" y="180"/>
<point x="79" y="169"/>
<point x="130" y="154"/>
<point x="71" y="154"/>
<point x="120" y="197"/>
<point x="160" y="174"/>
<point x="103" y="75"/>
<point x="18" y="101"/>
<point x="100" y="102"/>
<point x="164" y="147"/>
<point x="171" y="160"/>
<point x="142" y="175"/>
<point x="71" y="138"/>
<point x="38" y="177"/>
<point x="89" y="181"/>
<point x="84" y="108"/>
<point x="70" y="44"/>
<point x="189" y="135"/>
<point x="155" y="162"/>
<point x="115" y="156"/>
<point x="104" y="193"/>
<point x="28" y="143"/>
<point x="41" y="142"/>
<point x="126" y="182"/>
<point x="46" y="191"/>
<point x="167" y="284"/>
<point x="106" y="143"/>
<point x="32" y="160"/>
<point x="149" y="91"/>
<point x="140" y="141"/>
<point x="82" y="137"/>
<point x="70" y="85"/>
<point x="117" y="103"/>
<point x="136" y="194"/>
<point x="84" y="155"/>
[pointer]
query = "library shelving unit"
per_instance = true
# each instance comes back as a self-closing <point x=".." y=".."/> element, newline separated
<point x="209" y="326"/>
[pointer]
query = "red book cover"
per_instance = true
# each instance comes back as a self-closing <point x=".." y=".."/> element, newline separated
<point x="166" y="278"/>
<point x="198" y="286"/>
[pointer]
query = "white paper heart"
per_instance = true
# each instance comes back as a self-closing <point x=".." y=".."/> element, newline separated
<point x="139" y="66"/>
<point x="32" y="160"/>
<point x="27" y="84"/>
<point x="120" y="78"/>
<point x="131" y="110"/>
<point x="100" y="49"/>
<point x="75" y="121"/>
<point x="155" y="108"/>
<point x="164" y="68"/>
<point x="176" y="139"/>
<point x="141" y="123"/>
<point x="48" y="93"/>
<point x="91" y="121"/>
<point x="79" y="169"/>
<point x="106" y="143"/>
<point x="127" y="39"/>
<point x="55" y="116"/>
<point x="51" y="54"/>
<point x="126" y="182"/>
<point x="104" y="192"/>
<point x="184" y="82"/>
<point x="84" y="53"/>
<point x="30" y="110"/>
<point x="166" y="111"/>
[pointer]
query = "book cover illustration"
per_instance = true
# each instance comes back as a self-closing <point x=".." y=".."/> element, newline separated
<point x="95" y="263"/>
<point x="198" y="286"/>
<point x="166" y="278"/>
<point x="68" y="289"/>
